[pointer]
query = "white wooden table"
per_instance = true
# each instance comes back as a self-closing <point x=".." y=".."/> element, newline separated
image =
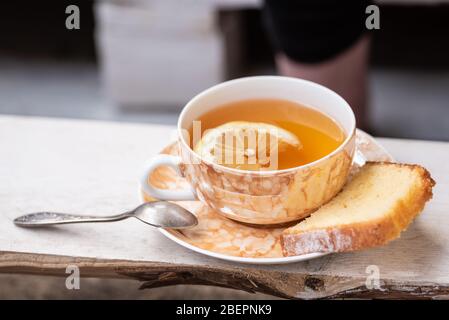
<point x="93" y="167"/>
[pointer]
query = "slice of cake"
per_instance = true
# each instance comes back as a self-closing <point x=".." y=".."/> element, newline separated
<point x="373" y="208"/>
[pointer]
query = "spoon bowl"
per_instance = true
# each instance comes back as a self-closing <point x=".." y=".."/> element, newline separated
<point x="163" y="214"/>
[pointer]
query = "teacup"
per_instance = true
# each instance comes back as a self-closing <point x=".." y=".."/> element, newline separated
<point x="259" y="197"/>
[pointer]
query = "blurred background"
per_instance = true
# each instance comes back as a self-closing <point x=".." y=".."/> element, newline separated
<point x="142" y="60"/>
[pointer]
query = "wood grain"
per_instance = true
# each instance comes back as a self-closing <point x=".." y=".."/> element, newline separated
<point x="93" y="167"/>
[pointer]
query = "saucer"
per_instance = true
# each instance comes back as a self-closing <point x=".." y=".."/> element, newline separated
<point x="225" y="239"/>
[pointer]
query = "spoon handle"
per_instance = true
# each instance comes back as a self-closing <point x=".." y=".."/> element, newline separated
<point x="50" y="218"/>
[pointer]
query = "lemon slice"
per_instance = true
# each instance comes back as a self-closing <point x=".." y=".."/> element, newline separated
<point x="246" y="145"/>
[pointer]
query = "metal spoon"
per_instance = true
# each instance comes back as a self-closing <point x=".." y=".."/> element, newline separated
<point x="159" y="214"/>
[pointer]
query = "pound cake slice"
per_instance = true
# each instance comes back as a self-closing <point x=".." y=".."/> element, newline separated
<point x="373" y="208"/>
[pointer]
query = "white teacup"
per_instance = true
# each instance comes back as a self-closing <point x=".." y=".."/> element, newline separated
<point x="260" y="197"/>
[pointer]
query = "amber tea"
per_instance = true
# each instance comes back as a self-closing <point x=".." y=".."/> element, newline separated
<point x="307" y="134"/>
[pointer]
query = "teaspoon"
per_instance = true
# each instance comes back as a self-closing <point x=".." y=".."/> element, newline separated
<point x="159" y="214"/>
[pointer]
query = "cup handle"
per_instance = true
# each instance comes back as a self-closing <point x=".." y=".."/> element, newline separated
<point x="164" y="194"/>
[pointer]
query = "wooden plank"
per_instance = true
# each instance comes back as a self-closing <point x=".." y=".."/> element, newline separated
<point x="93" y="167"/>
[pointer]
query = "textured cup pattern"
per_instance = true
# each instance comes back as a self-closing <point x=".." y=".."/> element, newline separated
<point x="268" y="198"/>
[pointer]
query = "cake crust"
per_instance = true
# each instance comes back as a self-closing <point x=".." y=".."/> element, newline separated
<point x="368" y="234"/>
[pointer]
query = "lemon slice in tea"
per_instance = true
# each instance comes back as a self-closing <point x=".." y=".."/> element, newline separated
<point x="246" y="145"/>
